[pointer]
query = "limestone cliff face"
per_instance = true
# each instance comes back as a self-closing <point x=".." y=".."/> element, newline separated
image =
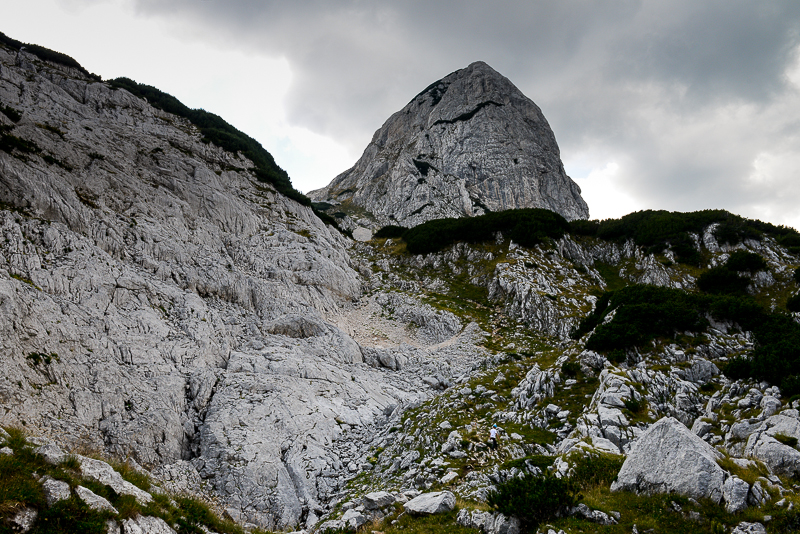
<point x="158" y="302"/>
<point x="469" y="143"/>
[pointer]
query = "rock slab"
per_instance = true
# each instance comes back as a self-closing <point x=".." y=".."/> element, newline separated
<point x="669" y="458"/>
<point x="431" y="503"/>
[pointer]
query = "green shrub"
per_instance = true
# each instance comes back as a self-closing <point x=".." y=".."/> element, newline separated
<point x="10" y="112"/>
<point x="791" y="441"/>
<point x="45" y="54"/>
<point x="793" y="304"/>
<point x="634" y="406"/>
<point x="570" y="369"/>
<point x="644" y="313"/>
<point x="10" y="142"/>
<point x="796" y="275"/>
<point x="390" y="232"/>
<point x="528" y="227"/>
<point x="534" y="499"/>
<point x="721" y="280"/>
<point x="219" y="132"/>
<point x="742" y="260"/>
<point x="541" y="461"/>
<point x="657" y="230"/>
<point x="595" y="469"/>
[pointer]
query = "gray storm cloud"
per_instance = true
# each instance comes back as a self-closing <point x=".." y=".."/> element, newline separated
<point x="695" y="98"/>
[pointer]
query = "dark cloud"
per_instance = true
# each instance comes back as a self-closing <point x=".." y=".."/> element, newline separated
<point x="688" y="94"/>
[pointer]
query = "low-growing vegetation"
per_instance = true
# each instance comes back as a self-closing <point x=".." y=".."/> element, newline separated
<point x="658" y="229"/>
<point x="644" y="313"/>
<point x="10" y="112"/>
<point x="534" y="499"/>
<point x="528" y="227"/>
<point x="45" y="54"/>
<point x="20" y="488"/>
<point x="216" y="130"/>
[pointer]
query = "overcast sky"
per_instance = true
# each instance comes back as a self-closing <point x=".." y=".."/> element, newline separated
<point x="678" y="105"/>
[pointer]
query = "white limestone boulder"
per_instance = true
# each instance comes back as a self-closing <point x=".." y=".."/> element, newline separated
<point x="377" y="500"/>
<point x="487" y="522"/>
<point x="93" y="500"/>
<point x="763" y="445"/>
<point x="55" y="490"/>
<point x="669" y="458"/>
<point x="438" y="502"/>
<point x="749" y="528"/>
<point x="735" y="492"/>
<point x="143" y="524"/>
<point x="103" y="473"/>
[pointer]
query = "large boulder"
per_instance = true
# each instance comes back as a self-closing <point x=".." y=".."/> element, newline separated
<point x="735" y="492"/>
<point x="669" y="458"/>
<point x="763" y="445"/>
<point x="431" y="503"/>
<point x="54" y="490"/>
<point x="377" y="500"/>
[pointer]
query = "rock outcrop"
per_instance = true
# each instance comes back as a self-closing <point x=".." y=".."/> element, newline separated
<point x="468" y="144"/>
<point x="669" y="458"/>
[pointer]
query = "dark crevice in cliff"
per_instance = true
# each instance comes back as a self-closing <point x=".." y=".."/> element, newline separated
<point x="468" y="115"/>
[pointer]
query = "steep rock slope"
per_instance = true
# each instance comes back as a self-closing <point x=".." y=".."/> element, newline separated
<point x="160" y="303"/>
<point x="469" y="143"/>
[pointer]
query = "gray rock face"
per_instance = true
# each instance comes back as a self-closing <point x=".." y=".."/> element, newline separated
<point x="487" y="522"/>
<point x="55" y="490"/>
<point x="146" y="525"/>
<point x="749" y="528"/>
<point x="735" y="492"/>
<point x="431" y="503"/>
<point x="595" y="516"/>
<point x="469" y="143"/>
<point x="762" y="444"/>
<point x="377" y="500"/>
<point x="94" y="501"/>
<point x="669" y="458"/>
<point x="161" y="303"/>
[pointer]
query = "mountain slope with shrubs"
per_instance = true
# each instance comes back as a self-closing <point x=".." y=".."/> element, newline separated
<point x="653" y="336"/>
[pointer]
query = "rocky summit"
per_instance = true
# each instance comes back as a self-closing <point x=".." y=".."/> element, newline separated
<point x="188" y="347"/>
<point x="468" y="144"/>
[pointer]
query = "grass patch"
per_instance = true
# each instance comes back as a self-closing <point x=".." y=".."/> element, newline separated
<point x="595" y="469"/>
<point x="749" y="474"/>
<point x="20" y="488"/>
<point x="610" y="275"/>
<point x="791" y="441"/>
<point x="432" y="524"/>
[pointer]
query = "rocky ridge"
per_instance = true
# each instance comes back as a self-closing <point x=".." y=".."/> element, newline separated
<point x="468" y="144"/>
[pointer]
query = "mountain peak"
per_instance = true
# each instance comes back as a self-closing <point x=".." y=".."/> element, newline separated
<point x="468" y="144"/>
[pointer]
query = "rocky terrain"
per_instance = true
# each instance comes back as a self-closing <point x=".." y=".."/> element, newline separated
<point x="164" y="309"/>
<point x="160" y="303"/>
<point x="468" y="144"/>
